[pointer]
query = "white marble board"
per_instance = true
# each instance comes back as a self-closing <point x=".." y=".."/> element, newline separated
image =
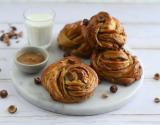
<point x="37" y="95"/>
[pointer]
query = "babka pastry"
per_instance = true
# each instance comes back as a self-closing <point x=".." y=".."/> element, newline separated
<point x="117" y="66"/>
<point x="71" y="39"/>
<point x="69" y="80"/>
<point x="105" y="32"/>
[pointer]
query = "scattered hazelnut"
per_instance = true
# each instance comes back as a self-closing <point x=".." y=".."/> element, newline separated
<point x="12" y="109"/>
<point x="3" y="93"/>
<point x="104" y="96"/>
<point x="37" y="81"/>
<point x="157" y="76"/>
<point x="157" y="100"/>
<point x="113" y="89"/>
<point x="6" y="37"/>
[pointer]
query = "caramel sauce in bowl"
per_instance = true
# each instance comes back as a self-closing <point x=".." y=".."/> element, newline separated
<point x="31" y="59"/>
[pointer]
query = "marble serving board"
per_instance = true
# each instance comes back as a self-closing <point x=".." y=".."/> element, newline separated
<point x="37" y="95"/>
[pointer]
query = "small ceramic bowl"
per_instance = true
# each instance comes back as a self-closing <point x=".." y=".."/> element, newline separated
<point x="31" y="68"/>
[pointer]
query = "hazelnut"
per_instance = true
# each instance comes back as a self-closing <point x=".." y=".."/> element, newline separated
<point x="12" y="109"/>
<point x="113" y="89"/>
<point x="157" y="100"/>
<point x="3" y="93"/>
<point x="37" y="81"/>
<point x="157" y="76"/>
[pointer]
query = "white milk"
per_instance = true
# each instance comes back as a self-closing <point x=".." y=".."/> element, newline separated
<point x="39" y="29"/>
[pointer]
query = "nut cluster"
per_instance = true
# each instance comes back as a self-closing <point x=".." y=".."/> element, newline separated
<point x="6" y="37"/>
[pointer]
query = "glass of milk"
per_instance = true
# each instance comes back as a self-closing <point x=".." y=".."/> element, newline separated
<point x="39" y="25"/>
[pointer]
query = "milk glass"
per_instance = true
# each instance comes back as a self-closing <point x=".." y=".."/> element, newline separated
<point x="39" y="25"/>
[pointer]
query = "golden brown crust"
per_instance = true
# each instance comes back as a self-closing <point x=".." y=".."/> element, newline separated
<point x="71" y="40"/>
<point x="105" y="32"/>
<point x="117" y="66"/>
<point x="69" y="80"/>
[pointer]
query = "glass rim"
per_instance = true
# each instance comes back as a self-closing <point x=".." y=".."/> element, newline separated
<point x="51" y="10"/>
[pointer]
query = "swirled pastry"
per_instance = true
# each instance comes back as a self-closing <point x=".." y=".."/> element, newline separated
<point x="69" y="80"/>
<point x="105" y="32"/>
<point x="117" y="66"/>
<point x="71" y="39"/>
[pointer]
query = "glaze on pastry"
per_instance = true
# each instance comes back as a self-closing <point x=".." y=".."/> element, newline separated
<point x="117" y="66"/>
<point x="105" y="32"/>
<point x="71" y="40"/>
<point x="69" y="80"/>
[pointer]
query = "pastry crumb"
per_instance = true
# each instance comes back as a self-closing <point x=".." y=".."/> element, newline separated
<point x="104" y="96"/>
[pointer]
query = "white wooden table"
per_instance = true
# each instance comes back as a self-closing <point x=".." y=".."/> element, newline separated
<point x="142" y="24"/>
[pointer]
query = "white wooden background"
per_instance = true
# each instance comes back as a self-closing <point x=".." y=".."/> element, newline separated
<point x="84" y="1"/>
<point x="142" y="24"/>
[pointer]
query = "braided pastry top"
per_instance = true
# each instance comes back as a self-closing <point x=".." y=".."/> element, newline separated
<point x="71" y="39"/>
<point x="69" y="80"/>
<point x="117" y="66"/>
<point x="105" y="32"/>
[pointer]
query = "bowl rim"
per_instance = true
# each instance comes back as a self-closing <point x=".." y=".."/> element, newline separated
<point x="43" y="51"/>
